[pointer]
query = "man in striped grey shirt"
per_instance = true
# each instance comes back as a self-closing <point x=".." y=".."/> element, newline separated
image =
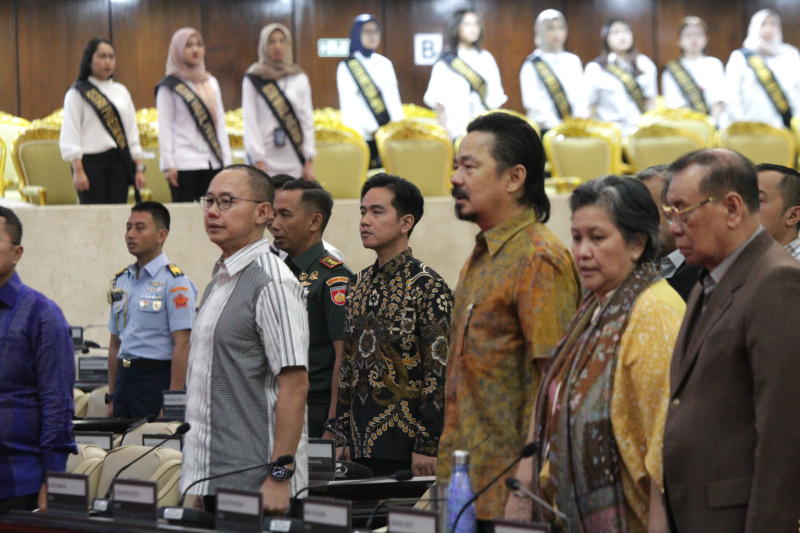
<point x="247" y="379"/>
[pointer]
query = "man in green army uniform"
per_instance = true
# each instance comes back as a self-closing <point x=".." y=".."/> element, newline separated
<point x="302" y="211"/>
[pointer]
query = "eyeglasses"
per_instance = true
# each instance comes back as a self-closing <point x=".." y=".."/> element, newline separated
<point x="224" y="203"/>
<point x="674" y="214"/>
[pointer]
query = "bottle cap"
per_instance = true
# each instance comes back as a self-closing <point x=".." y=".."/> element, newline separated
<point x="460" y="458"/>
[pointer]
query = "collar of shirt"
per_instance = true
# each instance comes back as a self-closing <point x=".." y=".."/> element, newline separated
<point x="238" y="261"/>
<point x="500" y="234"/>
<point x="794" y="248"/>
<point x="10" y="291"/>
<point x="152" y="267"/>
<point x="101" y="84"/>
<point x="394" y="264"/>
<point x="712" y="280"/>
<point x="671" y="263"/>
<point x="305" y="260"/>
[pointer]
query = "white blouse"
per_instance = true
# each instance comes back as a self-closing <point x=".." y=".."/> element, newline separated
<point x="182" y="145"/>
<point x="536" y="98"/>
<point x="707" y="73"/>
<point x="260" y="125"/>
<point x="356" y="113"/>
<point x="82" y="132"/>
<point x="609" y="97"/>
<point x="746" y="98"/>
<point x="453" y="92"/>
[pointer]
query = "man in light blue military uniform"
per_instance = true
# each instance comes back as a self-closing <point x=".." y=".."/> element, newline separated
<point x="152" y="309"/>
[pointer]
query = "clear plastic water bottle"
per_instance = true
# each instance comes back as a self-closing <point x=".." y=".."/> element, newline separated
<point x="460" y="492"/>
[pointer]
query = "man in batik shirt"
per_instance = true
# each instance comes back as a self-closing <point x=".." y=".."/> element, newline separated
<point x="391" y="386"/>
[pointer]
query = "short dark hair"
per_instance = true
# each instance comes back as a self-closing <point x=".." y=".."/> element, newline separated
<point x="259" y="182"/>
<point x="629" y="206"/>
<point x="279" y="180"/>
<point x="86" y="59"/>
<point x="13" y="225"/>
<point x="517" y="143"/>
<point x="315" y="199"/>
<point x="656" y="171"/>
<point x="727" y="171"/>
<point x="451" y="32"/>
<point x="407" y="198"/>
<point x="788" y="187"/>
<point x="157" y="210"/>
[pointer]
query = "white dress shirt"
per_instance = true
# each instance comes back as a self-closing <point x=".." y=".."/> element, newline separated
<point x="746" y="98"/>
<point x="356" y="113"/>
<point x="707" y="73"/>
<point x="182" y="145"/>
<point x="453" y="92"/>
<point x="260" y="125"/>
<point x="536" y="98"/>
<point x="609" y="97"/>
<point x="82" y="131"/>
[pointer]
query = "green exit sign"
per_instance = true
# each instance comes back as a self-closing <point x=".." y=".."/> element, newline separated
<point x="333" y="47"/>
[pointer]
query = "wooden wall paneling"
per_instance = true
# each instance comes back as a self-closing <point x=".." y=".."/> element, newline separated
<point x="52" y="36"/>
<point x="510" y="38"/>
<point x="317" y="19"/>
<point x="9" y="93"/>
<point x="231" y="30"/>
<point x="788" y="11"/>
<point x="142" y="31"/>
<point x="404" y="20"/>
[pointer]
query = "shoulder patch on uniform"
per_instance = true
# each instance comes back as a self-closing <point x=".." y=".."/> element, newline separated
<point x="339" y="279"/>
<point x="330" y="261"/>
<point x="174" y="270"/>
<point x="121" y="272"/>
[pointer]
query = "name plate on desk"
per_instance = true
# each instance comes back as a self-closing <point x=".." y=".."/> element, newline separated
<point x="101" y="439"/>
<point x="174" y="404"/>
<point x="322" y="515"/>
<point x="402" y="520"/>
<point x="321" y="461"/>
<point x="239" y="511"/>
<point x="502" y="526"/>
<point x="134" y="500"/>
<point x="93" y="369"/>
<point x="175" y="441"/>
<point x="67" y="493"/>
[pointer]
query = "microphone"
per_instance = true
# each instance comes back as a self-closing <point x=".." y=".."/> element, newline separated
<point x="149" y="419"/>
<point x="339" y="435"/>
<point x="180" y="430"/>
<point x="184" y="516"/>
<point x="515" y="484"/>
<point x="354" y="469"/>
<point x="526" y="451"/>
<point x="368" y="524"/>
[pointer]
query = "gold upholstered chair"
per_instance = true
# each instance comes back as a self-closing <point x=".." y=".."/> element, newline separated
<point x="761" y="143"/>
<point x="342" y="158"/>
<point x="796" y="130"/>
<point x="10" y="128"/>
<point x="80" y="401"/>
<point x="44" y="177"/>
<point x="583" y="148"/>
<point x="234" y="123"/>
<point x="3" y="155"/>
<point x="683" y="119"/>
<point x="656" y="144"/>
<point x="419" y="113"/>
<point x="87" y="462"/>
<point x="420" y="152"/>
<point x="163" y="466"/>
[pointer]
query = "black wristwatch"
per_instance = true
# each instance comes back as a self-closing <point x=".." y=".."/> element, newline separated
<point x="280" y="473"/>
<point x="109" y="398"/>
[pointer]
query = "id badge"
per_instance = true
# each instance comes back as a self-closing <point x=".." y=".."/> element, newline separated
<point x="280" y="137"/>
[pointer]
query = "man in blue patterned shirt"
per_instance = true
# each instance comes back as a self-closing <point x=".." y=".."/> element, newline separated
<point x="37" y="372"/>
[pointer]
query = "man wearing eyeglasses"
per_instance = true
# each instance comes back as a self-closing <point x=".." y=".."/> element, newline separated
<point x="731" y="453"/>
<point x="247" y="382"/>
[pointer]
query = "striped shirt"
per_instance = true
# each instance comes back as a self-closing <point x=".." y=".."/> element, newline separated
<point x="794" y="248"/>
<point x="252" y="323"/>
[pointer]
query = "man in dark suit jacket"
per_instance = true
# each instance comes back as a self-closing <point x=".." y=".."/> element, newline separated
<point x="732" y="437"/>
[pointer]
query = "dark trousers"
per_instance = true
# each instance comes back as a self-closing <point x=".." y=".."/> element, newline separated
<point x="374" y="156"/>
<point x="384" y="467"/>
<point x="138" y="389"/>
<point x="28" y="502"/>
<point x="192" y="184"/>
<point x="318" y="405"/>
<point x="108" y="179"/>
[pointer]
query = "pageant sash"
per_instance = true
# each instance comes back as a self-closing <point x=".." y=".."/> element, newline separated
<point x="554" y="87"/>
<point x="112" y="121"/>
<point x="770" y="84"/>
<point x="630" y="84"/>
<point x="283" y="111"/>
<point x="475" y="80"/>
<point x="369" y="90"/>
<point x="691" y="91"/>
<point x="202" y="117"/>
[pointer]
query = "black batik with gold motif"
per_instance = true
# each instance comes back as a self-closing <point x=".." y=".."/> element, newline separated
<point x="391" y="387"/>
